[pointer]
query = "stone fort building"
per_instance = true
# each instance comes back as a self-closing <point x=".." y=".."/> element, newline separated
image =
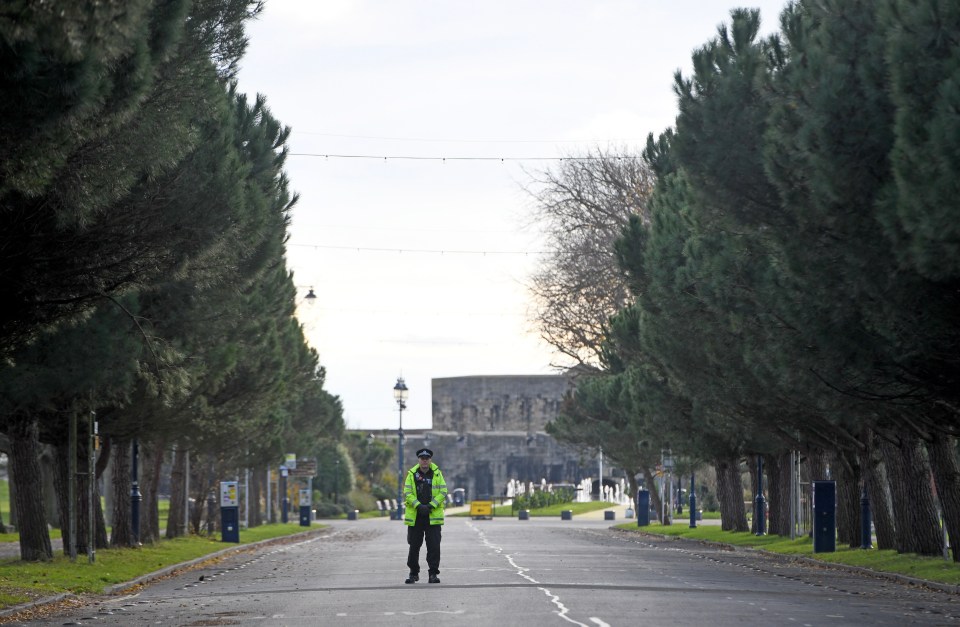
<point x="490" y="429"/>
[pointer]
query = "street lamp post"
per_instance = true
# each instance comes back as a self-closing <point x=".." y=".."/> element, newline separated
<point x="400" y="393"/>
<point x="135" y="495"/>
<point x="693" y="502"/>
<point x="336" y="484"/>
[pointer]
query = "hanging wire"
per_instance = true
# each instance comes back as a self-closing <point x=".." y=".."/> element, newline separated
<point x="500" y="159"/>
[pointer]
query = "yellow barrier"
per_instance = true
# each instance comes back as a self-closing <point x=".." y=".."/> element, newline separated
<point x="481" y="509"/>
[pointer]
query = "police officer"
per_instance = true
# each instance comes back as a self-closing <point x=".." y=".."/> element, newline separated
<point x="425" y="494"/>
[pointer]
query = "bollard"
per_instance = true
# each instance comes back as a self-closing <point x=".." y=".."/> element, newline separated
<point x="824" y="516"/>
<point x="643" y="508"/>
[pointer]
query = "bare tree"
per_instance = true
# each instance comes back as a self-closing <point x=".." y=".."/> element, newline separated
<point x="582" y="207"/>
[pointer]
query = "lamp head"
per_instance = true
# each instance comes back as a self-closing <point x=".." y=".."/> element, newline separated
<point x="400" y="392"/>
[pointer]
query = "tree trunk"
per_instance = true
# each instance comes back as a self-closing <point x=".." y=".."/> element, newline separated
<point x="178" y="485"/>
<point x="201" y="479"/>
<point x="4" y="448"/>
<point x="122" y="532"/>
<point x="918" y="530"/>
<point x="61" y="487"/>
<point x="778" y="507"/>
<point x="881" y="508"/>
<point x="12" y="487"/>
<point x="733" y="513"/>
<point x="875" y="479"/>
<point x="942" y="452"/>
<point x="656" y="501"/>
<point x="100" y="467"/>
<point x="752" y="461"/>
<point x="775" y="499"/>
<point x="848" y="498"/>
<point x="152" y="462"/>
<point x="25" y="471"/>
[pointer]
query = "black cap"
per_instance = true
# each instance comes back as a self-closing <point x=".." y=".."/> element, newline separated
<point x="424" y="452"/>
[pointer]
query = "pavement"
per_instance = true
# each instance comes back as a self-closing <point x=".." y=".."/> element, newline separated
<point x="353" y="571"/>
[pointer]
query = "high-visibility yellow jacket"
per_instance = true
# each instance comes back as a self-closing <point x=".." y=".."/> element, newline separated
<point x="439" y="492"/>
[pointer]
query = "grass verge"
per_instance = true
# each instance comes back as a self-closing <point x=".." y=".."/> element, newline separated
<point x="921" y="567"/>
<point x="21" y="582"/>
<point x="506" y="511"/>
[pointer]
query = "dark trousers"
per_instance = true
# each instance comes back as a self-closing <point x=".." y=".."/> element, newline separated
<point x="416" y="534"/>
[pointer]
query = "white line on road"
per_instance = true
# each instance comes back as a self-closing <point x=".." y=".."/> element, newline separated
<point x="554" y="598"/>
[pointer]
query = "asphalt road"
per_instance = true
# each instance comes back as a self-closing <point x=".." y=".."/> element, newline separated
<point x="512" y="572"/>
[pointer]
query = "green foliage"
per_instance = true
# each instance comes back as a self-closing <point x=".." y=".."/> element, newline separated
<point x="539" y="499"/>
<point x="149" y="285"/>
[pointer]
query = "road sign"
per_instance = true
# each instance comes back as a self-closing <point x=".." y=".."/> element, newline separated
<point x="304" y="468"/>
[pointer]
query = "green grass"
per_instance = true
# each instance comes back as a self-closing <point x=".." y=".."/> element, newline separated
<point x="552" y="510"/>
<point x="24" y="581"/>
<point x="576" y="508"/>
<point x="928" y="568"/>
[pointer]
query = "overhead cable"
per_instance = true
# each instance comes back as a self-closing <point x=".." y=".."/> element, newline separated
<point x="501" y="159"/>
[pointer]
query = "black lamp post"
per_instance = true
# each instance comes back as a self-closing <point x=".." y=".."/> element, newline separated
<point x="693" y="502"/>
<point x="400" y="393"/>
<point x="135" y="495"/>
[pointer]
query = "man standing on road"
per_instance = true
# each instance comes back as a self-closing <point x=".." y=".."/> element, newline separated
<point x="425" y="494"/>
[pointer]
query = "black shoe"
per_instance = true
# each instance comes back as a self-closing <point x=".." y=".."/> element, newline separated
<point x="434" y="579"/>
<point x="413" y="578"/>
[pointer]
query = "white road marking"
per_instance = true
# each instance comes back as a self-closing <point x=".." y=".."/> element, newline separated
<point x="554" y="598"/>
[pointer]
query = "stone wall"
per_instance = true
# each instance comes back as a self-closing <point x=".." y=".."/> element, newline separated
<point x="490" y="429"/>
<point x="497" y="403"/>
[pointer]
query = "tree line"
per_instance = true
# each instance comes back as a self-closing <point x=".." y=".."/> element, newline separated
<point x="788" y="258"/>
<point x="144" y="210"/>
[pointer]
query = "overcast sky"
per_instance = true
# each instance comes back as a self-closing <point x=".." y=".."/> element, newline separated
<point x="420" y="264"/>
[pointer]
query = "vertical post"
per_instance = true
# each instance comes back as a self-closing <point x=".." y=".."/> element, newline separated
<point x="866" y="533"/>
<point x="186" y="493"/>
<point x="284" y="503"/>
<point x="400" y="393"/>
<point x="91" y="484"/>
<point x="72" y="486"/>
<point x="760" y="510"/>
<point x="670" y="496"/>
<point x="600" y="480"/>
<point x="336" y="484"/>
<point x="246" y="498"/>
<point x="400" y="476"/>
<point x="269" y="498"/>
<point x="663" y="499"/>
<point x="135" y="494"/>
<point x="793" y="494"/>
<point x="693" y="502"/>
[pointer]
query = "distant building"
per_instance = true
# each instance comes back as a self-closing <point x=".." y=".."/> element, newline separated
<point x="490" y="429"/>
